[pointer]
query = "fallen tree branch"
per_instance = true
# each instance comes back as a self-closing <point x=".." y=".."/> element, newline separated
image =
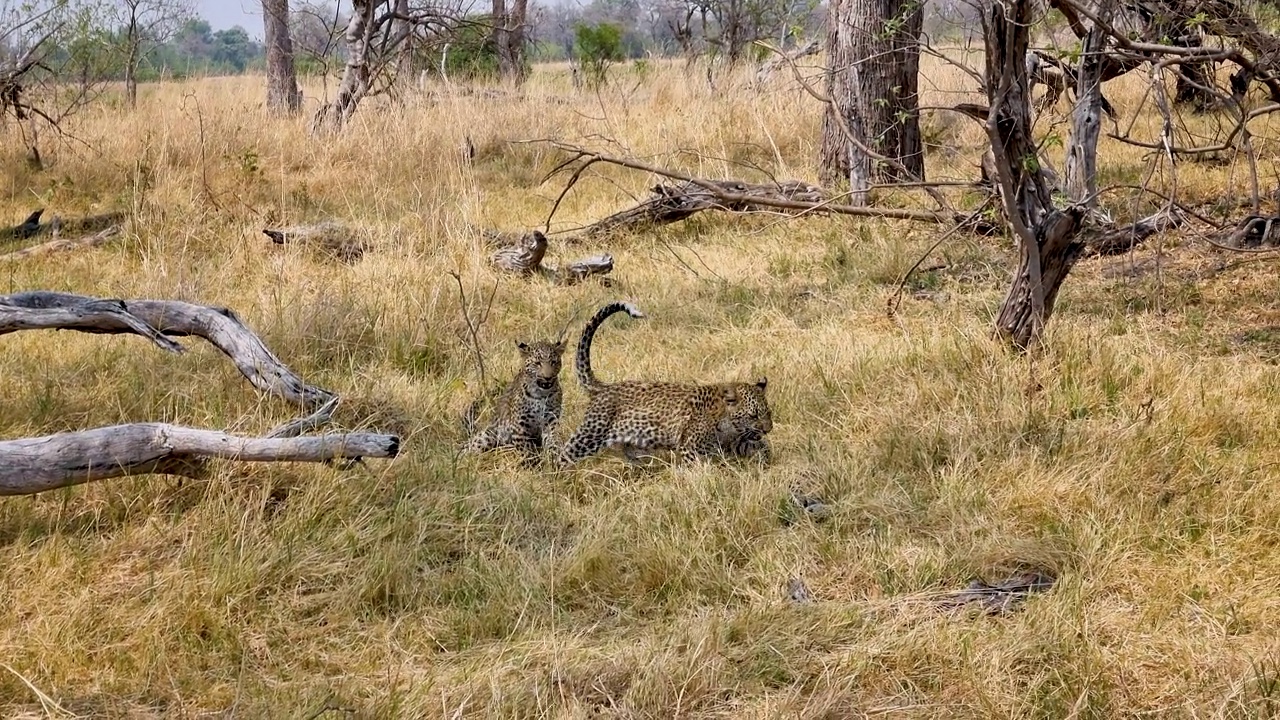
<point x="171" y="318"/>
<point x="1105" y="242"/>
<point x="673" y="203"/>
<point x="330" y="237"/>
<point x="86" y="241"/>
<point x="34" y="465"/>
<point x="728" y="194"/>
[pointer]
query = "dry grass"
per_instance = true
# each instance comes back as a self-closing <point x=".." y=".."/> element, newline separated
<point x="1142" y="471"/>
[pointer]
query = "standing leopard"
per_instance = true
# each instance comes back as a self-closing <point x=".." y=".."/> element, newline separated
<point x="642" y="417"/>
<point x="529" y="407"/>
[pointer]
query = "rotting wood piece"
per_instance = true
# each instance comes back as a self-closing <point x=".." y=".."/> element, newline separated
<point x="1110" y="241"/>
<point x="330" y="237"/>
<point x="1251" y="233"/>
<point x="521" y="254"/>
<point x="34" y="465"/>
<point x="672" y="203"/>
<point x="173" y="318"/>
<point x="58" y="226"/>
<point x="62" y="244"/>
<point x="581" y="269"/>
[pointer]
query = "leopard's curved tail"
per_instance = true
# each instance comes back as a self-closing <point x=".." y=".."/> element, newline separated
<point x="582" y="362"/>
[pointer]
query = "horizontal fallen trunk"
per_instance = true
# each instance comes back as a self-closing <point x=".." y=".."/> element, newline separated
<point x="330" y="238"/>
<point x="88" y="225"/>
<point x="61" y="245"/>
<point x="673" y="203"/>
<point x="34" y="465"/>
<point x="158" y="320"/>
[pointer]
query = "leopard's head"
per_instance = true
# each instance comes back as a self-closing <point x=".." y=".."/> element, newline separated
<point x="747" y="409"/>
<point x="542" y="362"/>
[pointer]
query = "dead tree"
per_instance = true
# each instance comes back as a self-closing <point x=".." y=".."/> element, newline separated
<point x="34" y="465"/>
<point x="376" y="33"/>
<point x="1048" y="237"/>
<point x="37" y="464"/>
<point x="145" y="26"/>
<point x="282" y="77"/>
<point x="509" y="30"/>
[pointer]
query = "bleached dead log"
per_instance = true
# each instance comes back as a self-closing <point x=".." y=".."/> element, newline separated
<point x="61" y="245"/>
<point x="521" y="255"/>
<point x="672" y="203"/>
<point x="1119" y="240"/>
<point x="91" y="316"/>
<point x="330" y="237"/>
<point x="34" y="465"/>
<point x="579" y="270"/>
<point x="78" y="227"/>
<point x="172" y="318"/>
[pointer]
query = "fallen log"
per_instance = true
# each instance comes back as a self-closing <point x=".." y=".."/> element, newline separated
<point x="672" y="203"/>
<point x="159" y="320"/>
<point x="1112" y="240"/>
<point x="88" y="225"/>
<point x="330" y="237"/>
<point x="86" y="241"/>
<point x="34" y="465"/>
<point x="734" y="195"/>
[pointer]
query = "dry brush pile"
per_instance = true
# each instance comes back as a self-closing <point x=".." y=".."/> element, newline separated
<point x="1129" y="459"/>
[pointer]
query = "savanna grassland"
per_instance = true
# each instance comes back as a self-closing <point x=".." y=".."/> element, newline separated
<point x="1135" y="458"/>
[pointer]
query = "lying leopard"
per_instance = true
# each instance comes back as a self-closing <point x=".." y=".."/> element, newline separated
<point x="641" y="418"/>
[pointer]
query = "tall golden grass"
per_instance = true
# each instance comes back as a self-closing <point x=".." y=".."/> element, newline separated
<point x="1135" y="457"/>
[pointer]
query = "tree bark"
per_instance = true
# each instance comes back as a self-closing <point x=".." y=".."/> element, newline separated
<point x="34" y="465"/>
<point x="509" y="38"/>
<point x="871" y="130"/>
<point x="282" y="78"/>
<point x="131" y="67"/>
<point x="355" y="77"/>
<point x="1048" y="242"/>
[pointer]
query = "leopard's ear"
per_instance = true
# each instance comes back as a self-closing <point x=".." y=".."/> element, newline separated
<point x="763" y="382"/>
<point x="560" y="346"/>
<point x="522" y="347"/>
<point x="729" y="393"/>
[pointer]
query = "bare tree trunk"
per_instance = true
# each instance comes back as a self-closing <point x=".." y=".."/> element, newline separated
<point x="131" y="64"/>
<point x="509" y="38"/>
<point x="355" y="78"/>
<point x="871" y="130"/>
<point x="1048" y="238"/>
<point x="1086" y="122"/>
<point x="282" y="78"/>
<point x="404" y="29"/>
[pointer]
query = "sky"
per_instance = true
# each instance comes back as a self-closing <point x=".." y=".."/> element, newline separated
<point x="223" y="14"/>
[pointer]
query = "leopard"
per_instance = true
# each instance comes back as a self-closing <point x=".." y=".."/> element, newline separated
<point x="642" y="418"/>
<point x="527" y="412"/>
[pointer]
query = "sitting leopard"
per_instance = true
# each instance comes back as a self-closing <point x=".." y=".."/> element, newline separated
<point x="529" y="408"/>
<point x="640" y="418"/>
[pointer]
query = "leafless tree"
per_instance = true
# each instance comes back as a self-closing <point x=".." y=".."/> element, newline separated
<point x="375" y="35"/>
<point x="144" y="26"/>
<point x="509" y="37"/>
